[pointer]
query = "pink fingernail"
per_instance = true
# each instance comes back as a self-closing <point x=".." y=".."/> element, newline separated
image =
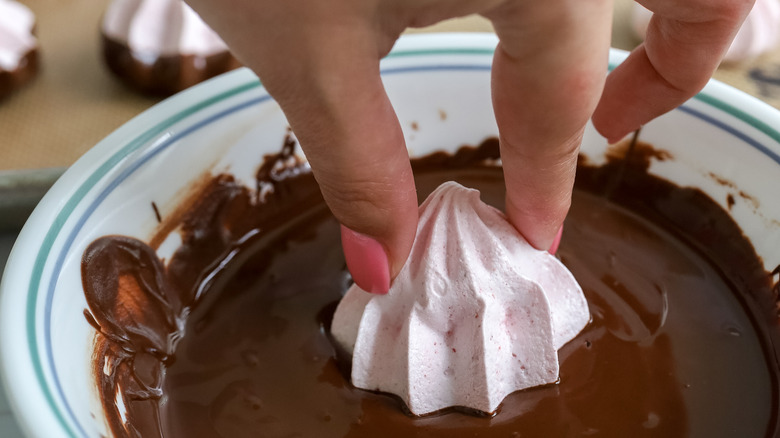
<point x="367" y="261"/>
<point x="557" y="241"/>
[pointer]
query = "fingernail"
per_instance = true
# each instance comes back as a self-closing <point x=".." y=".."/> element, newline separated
<point x="557" y="241"/>
<point x="367" y="261"/>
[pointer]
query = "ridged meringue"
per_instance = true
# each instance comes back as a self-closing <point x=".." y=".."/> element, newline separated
<point x="759" y="33"/>
<point x="475" y="314"/>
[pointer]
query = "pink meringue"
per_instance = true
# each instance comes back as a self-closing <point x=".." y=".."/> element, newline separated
<point x="759" y="33"/>
<point x="475" y="314"/>
<point x="16" y="34"/>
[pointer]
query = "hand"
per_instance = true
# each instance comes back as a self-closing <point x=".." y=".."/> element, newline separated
<point x="320" y="61"/>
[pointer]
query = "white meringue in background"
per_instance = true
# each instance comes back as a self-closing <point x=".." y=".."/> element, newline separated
<point x="16" y="37"/>
<point x="759" y="33"/>
<point x="160" y="28"/>
<point x="474" y="315"/>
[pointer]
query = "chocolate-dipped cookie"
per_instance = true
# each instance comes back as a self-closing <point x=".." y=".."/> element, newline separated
<point x="161" y="46"/>
<point x="18" y="46"/>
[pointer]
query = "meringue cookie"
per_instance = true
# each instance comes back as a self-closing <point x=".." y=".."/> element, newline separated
<point x="154" y="28"/>
<point x="474" y="315"/>
<point x="759" y="33"/>
<point x="16" y="34"/>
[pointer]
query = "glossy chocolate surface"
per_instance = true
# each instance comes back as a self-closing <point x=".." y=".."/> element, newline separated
<point x="229" y="338"/>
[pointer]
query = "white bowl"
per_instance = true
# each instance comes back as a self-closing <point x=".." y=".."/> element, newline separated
<point x="228" y="124"/>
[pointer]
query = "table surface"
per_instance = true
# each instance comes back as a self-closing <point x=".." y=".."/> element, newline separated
<point x="74" y="102"/>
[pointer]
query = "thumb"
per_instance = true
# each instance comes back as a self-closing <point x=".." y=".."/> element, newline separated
<point x="324" y="72"/>
<point x="354" y="143"/>
<point x="685" y="43"/>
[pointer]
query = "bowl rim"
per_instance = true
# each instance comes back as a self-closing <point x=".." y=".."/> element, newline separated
<point x="30" y="255"/>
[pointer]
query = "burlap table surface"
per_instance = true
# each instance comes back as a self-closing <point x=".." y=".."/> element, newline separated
<point x="74" y="102"/>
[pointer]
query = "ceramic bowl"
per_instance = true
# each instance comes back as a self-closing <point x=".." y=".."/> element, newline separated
<point x="228" y="123"/>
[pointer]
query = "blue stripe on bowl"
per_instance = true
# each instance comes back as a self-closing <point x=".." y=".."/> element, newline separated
<point x="731" y="130"/>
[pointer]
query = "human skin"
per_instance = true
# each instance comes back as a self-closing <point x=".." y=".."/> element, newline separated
<point x="320" y="61"/>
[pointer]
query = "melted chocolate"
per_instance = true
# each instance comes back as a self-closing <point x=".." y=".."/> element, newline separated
<point x="229" y="338"/>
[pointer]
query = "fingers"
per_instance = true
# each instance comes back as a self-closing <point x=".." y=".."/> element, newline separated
<point x="357" y="153"/>
<point x="321" y="63"/>
<point x="548" y="73"/>
<point x="685" y="42"/>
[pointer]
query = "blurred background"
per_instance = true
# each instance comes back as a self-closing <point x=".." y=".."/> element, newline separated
<point x="74" y="102"/>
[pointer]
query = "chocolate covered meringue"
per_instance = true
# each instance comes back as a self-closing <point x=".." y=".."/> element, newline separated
<point x="18" y="46"/>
